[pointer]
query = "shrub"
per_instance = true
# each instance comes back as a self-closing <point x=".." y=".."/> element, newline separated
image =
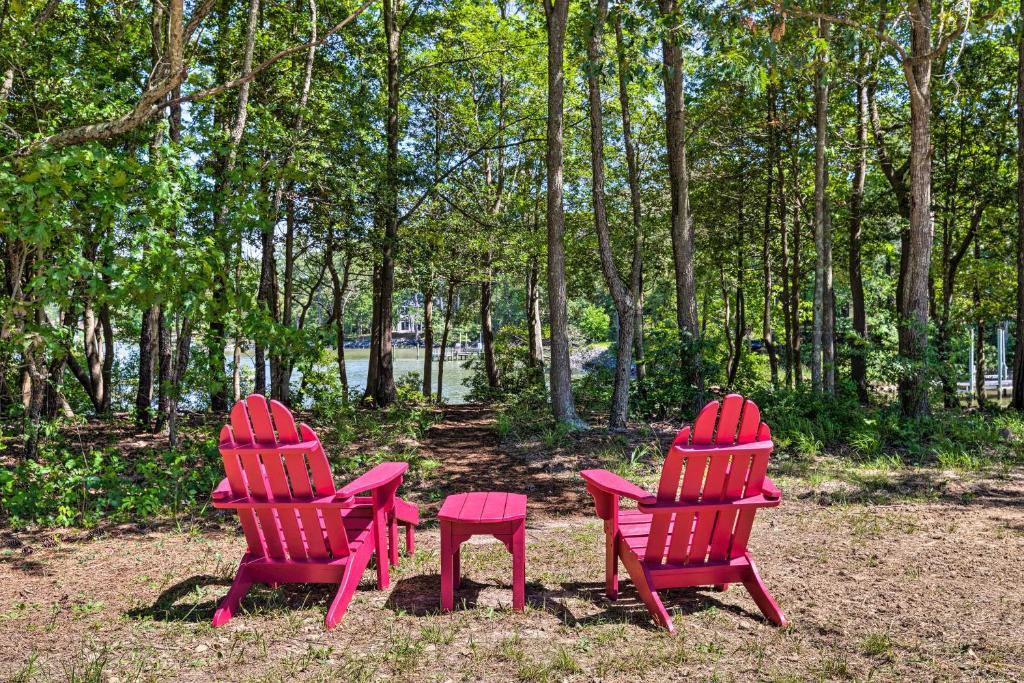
<point x="594" y="323"/>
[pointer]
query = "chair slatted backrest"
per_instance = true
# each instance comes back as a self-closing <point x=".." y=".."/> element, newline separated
<point x="268" y="459"/>
<point x="693" y="475"/>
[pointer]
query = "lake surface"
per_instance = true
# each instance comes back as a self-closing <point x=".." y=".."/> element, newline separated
<point x="357" y="361"/>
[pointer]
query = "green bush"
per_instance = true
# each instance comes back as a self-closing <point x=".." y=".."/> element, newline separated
<point x="594" y="323"/>
<point x="65" y="489"/>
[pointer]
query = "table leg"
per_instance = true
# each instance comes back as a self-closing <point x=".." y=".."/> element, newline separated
<point x="519" y="567"/>
<point x="447" y="589"/>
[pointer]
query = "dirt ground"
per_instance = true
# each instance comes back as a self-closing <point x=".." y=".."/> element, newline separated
<point x="917" y="575"/>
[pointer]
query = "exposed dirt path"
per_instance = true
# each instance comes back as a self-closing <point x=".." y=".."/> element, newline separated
<point x="472" y="459"/>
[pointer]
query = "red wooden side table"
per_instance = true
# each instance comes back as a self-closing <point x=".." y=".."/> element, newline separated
<point x="502" y="515"/>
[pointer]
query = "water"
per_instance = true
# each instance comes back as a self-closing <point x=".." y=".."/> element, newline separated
<point x="406" y="360"/>
<point x="357" y="361"/>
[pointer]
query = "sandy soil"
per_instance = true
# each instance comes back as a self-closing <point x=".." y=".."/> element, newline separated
<point x="882" y="588"/>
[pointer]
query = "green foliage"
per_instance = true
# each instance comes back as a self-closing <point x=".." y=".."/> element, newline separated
<point x="665" y="392"/>
<point x="594" y="323"/>
<point x="65" y="488"/>
<point x="512" y="356"/>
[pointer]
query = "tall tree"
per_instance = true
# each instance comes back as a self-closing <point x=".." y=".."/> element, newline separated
<point x="562" y="404"/>
<point x="823" y="351"/>
<point x="679" y="185"/>
<point x="1018" y="355"/>
<point x="858" y="355"/>
<point x="380" y="386"/>
<point x="623" y="294"/>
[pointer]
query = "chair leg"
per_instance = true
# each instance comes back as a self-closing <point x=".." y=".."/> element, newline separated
<point x="410" y="540"/>
<point x="380" y="523"/>
<point x="722" y="587"/>
<point x="393" y="539"/>
<point x="239" y="588"/>
<point x="457" y="566"/>
<point x="447" y="577"/>
<point x="650" y="597"/>
<point x="765" y="602"/>
<point x="611" y="567"/>
<point x="519" y="567"/>
<point x="346" y="589"/>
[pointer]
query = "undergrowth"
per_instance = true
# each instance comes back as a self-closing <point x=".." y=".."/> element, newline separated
<point x="69" y="484"/>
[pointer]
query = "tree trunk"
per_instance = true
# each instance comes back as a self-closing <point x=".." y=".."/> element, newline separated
<point x="768" y="336"/>
<point x="821" y="353"/>
<point x="562" y="405"/>
<point x="339" y="286"/>
<point x="739" y="331"/>
<point x="164" y="351"/>
<point x="679" y="184"/>
<point x="794" y="292"/>
<point x="428" y="338"/>
<point x="784" y="258"/>
<point x="281" y="362"/>
<point x="534" y="327"/>
<point x="147" y="344"/>
<point x="164" y="342"/>
<point x="382" y="390"/>
<point x="858" y="354"/>
<point x="486" y="328"/>
<point x="913" y="323"/>
<point x="636" y="209"/>
<point x="449" y="301"/>
<point x="180" y="366"/>
<point x="979" y="337"/>
<point x="624" y="302"/>
<point x="1018" y="354"/>
<point x="217" y="331"/>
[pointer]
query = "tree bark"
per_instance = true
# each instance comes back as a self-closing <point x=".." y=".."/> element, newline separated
<point x="913" y="322"/>
<point x="822" y="366"/>
<point x="1018" y="355"/>
<point x="635" y="205"/>
<point x="382" y="390"/>
<point x="449" y="301"/>
<point x="622" y="297"/>
<point x="428" y="338"/>
<point x="794" y="290"/>
<point x="679" y="185"/>
<point x="858" y="354"/>
<point x="184" y="346"/>
<point x="562" y="404"/>
<point x="147" y="343"/>
<point x="534" y="328"/>
<point x="339" y="286"/>
<point x="739" y="330"/>
<point x="767" y="334"/>
<point x="784" y="256"/>
<point x="217" y="331"/>
<point x="486" y="326"/>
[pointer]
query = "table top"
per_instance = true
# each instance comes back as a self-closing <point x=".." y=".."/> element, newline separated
<point x="483" y="507"/>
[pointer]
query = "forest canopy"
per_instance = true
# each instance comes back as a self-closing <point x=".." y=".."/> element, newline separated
<point x="204" y="199"/>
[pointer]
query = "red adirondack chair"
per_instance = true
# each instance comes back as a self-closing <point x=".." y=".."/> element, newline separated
<point x="694" y="531"/>
<point x="299" y="528"/>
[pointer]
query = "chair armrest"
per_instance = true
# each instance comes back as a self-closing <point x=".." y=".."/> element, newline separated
<point x="770" y="490"/>
<point x="613" y="484"/>
<point x="758" y="501"/>
<point x="329" y="502"/>
<point x="222" y="491"/>
<point x="380" y="476"/>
